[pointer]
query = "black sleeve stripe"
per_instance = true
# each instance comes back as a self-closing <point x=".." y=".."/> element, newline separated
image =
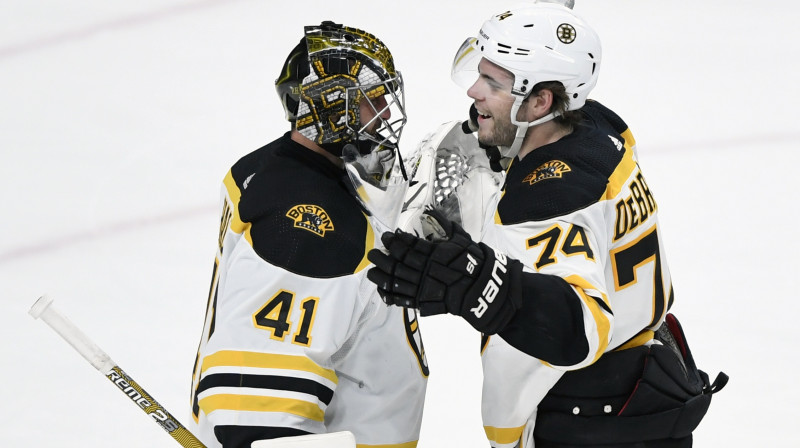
<point x="303" y="385"/>
<point x="549" y="326"/>
<point x="603" y="305"/>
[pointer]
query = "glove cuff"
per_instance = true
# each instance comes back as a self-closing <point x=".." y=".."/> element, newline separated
<point x="496" y="294"/>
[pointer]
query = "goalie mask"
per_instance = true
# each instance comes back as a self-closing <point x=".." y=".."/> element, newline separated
<point x="339" y="86"/>
<point x="541" y="42"/>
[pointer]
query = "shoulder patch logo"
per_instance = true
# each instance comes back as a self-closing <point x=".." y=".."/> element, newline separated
<point x="312" y="218"/>
<point x="553" y="169"/>
<point x="247" y="181"/>
<point x="616" y="142"/>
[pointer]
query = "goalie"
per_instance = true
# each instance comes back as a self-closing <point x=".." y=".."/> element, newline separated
<point x="298" y="349"/>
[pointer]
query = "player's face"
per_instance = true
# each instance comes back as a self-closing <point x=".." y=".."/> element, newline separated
<point x="493" y="99"/>
<point x="370" y="110"/>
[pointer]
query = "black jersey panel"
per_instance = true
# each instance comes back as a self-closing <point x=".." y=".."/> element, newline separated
<point x="564" y="176"/>
<point x="603" y="117"/>
<point x="302" y="216"/>
<point x="555" y="335"/>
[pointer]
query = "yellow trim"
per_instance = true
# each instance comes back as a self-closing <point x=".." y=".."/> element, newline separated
<point x="652" y="258"/>
<point x="600" y="319"/>
<point x="638" y="340"/>
<point x="486" y="344"/>
<point x="413" y="326"/>
<point x="503" y="436"/>
<point x="497" y="219"/>
<point x="276" y="304"/>
<point x="465" y="53"/>
<point x="304" y="121"/>
<point x="237" y="225"/>
<point x="255" y="403"/>
<point x="303" y="318"/>
<point x="616" y="182"/>
<point x="368" y="245"/>
<point x="412" y="444"/>
<point x="630" y="142"/>
<point x="267" y="360"/>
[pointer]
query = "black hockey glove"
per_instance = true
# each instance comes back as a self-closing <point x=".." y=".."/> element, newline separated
<point x="455" y="275"/>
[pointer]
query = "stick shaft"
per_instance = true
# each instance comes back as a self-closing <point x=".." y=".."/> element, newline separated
<point x="102" y="362"/>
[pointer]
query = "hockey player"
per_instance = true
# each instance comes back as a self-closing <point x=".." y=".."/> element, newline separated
<point x="296" y="340"/>
<point x="569" y="282"/>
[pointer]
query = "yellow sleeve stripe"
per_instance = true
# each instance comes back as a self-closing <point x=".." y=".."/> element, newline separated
<point x="368" y="245"/>
<point x="600" y="319"/>
<point x="497" y="219"/>
<point x="630" y="142"/>
<point x="255" y="403"/>
<point x="234" y="358"/>
<point x="235" y="194"/>
<point x="637" y="341"/>
<point x="616" y="182"/>
<point x="391" y="445"/>
<point x="502" y="436"/>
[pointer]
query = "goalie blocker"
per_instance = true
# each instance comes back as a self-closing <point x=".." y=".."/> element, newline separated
<point x="646" y="396"/>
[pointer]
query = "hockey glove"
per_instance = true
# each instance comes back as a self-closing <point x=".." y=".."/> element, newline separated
<point x="455" y="275"/>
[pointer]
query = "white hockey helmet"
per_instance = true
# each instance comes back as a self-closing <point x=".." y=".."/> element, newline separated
<point x="537" y="42"/>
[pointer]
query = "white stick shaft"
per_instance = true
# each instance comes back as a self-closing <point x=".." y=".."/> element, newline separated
<point x="72" y="334"/>
<point x="102" y="362"/>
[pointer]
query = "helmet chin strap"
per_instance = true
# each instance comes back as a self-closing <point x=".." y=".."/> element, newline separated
<point x="522" y="129"/>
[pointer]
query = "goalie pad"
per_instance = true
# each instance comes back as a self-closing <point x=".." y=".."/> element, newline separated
<point x="450" y="173"/>
<point x="643" y="396"/>
<point x="341" y="439"/>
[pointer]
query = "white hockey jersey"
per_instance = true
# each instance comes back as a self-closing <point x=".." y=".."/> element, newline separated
<point x="580" y="212"/>
<point x="296" y="339"/>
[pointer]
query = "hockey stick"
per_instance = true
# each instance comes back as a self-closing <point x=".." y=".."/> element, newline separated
<point x="101" y="361"/>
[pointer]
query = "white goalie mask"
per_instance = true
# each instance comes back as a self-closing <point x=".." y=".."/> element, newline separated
<point x="536" y="43"/>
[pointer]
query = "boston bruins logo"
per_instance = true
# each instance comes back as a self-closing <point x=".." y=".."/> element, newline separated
<point x="553" y="169"/>
<point x="566" y="33"/>
<point x="312" y="218"/>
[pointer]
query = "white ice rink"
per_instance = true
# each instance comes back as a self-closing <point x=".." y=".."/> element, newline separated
<point x="118" y="120"/>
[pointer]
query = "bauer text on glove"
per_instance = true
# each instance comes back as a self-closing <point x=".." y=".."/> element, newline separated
<point x="455" y="275"/>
